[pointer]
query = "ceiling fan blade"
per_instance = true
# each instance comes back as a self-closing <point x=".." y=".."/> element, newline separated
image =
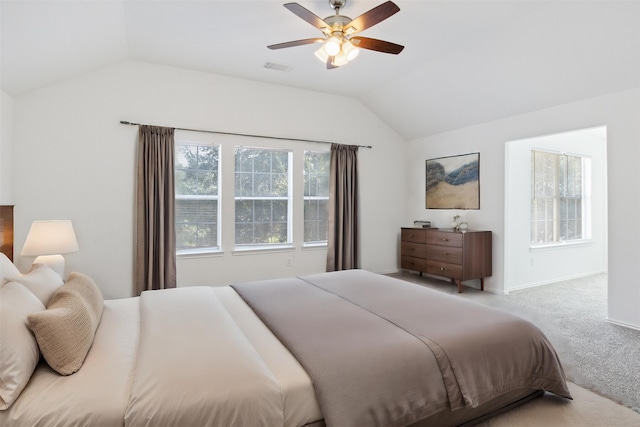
<point x="295" y="43"/>
<point x="372" y="17"/>
<point x="307" y="15"/>
<point x="377" y="45"/>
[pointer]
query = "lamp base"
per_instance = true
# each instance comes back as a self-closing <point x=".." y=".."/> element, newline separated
<point x="54" y="262"/>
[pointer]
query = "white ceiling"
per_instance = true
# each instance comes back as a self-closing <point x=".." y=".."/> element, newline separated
<point x="465" y="62"/>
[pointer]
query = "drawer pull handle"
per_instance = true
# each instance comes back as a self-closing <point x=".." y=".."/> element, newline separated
<point x="445" y="240"/>
<point x="411" y="235"/>
<point x="444" y="253"/>
<point x="443" y="269"/>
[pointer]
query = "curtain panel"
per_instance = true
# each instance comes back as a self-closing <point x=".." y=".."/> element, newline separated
<point x="343" y="239"/>
<point x="155" y="206"/>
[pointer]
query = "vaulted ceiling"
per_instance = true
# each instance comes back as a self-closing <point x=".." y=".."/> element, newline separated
<point x="465" y="61"/>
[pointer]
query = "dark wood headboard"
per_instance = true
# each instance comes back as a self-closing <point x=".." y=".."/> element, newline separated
<point x="6" y="231"/>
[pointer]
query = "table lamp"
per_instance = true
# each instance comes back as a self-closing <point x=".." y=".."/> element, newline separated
<point x="48" y="240"/>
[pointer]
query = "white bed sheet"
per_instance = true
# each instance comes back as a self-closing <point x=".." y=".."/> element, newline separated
<point x="97" y="395"/>
<point x="300" y="403"/>
<point x="109" y="385"/>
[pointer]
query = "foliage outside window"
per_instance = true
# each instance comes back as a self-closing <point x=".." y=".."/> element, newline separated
<point x="559" y="203"/>
<point x="262" y="197"/>
<point x="197" y="203"/>
<point x="316" y="197"/>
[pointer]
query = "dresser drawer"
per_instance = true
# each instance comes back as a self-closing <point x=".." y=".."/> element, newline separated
<point x="444" y="238"/>
<point x="413" y="263"/>
<point x="448" y="254"/>
<point x="413" y="235"/>
<point x="413" y="249"/>
<point x="439" y="268"/>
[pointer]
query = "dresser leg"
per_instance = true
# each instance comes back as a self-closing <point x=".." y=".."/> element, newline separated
<point x="482" y="283"/>
<point x="459" y="283"/>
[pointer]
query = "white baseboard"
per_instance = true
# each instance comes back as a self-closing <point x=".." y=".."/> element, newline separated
<point x="556" y="280"/>
<point x="626" y="325"/>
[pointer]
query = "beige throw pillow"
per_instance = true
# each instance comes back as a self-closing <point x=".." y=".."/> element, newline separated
<point x="66" y="329"/>
<point x="19" y="353"/>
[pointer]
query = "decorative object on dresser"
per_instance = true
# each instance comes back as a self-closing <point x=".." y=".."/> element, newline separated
<point x="422" y="224"/>
<point x="47" y="240"/>
<point x="452" y="254"/>
<point x="6" y="230"/>
<point x="453" y="182"/>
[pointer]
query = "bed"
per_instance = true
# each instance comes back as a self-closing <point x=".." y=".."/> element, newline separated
<point x="347" y="348"/>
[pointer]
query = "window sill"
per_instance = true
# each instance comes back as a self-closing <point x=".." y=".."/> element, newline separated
<point x="312" y="246"/>
<point x="561" y="245"/>
<point x="199" y="253"/>
<point x="262" y="249"/>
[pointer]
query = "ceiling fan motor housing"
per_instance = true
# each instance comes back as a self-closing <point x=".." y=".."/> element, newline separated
<point x="337" y="23"/>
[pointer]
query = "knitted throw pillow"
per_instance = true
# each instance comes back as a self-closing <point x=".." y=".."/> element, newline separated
<point x="66" y="329"/>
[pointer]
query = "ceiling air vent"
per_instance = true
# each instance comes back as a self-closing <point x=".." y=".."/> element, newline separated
<point x="278" y="67"/>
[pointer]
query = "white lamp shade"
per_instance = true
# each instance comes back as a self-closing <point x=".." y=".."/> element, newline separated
<point x="322" y="55"/>
<point x="350" y="50"/>
<point x="50" y="238"/>
<point x="332" y="46"/>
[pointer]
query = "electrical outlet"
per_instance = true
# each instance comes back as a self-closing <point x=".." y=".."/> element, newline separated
<point x="288" y="262"/>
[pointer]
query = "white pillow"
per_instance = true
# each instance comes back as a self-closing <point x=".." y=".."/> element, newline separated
<point x="7" y="269"/>
<point x="42" y="281"/>
<point x="19" y="353"/>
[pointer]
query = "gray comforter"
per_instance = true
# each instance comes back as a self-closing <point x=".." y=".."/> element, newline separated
<point x="384" y="352"/>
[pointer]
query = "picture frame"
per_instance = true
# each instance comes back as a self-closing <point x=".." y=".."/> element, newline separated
<point x="453" y="182"/>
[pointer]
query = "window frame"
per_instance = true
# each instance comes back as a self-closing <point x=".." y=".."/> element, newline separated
<point x="306" y="198"/>
<point x="244" y="247"/>
<point x="553" y="203"/>
<point x="218" y="198"/>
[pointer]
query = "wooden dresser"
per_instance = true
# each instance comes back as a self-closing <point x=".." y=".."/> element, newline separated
<point x="453" y="254"/>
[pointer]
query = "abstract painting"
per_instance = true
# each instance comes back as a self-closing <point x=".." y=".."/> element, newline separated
<point x="453" y="182"/>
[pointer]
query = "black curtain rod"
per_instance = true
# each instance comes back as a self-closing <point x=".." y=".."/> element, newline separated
<point x="124" y="122"/>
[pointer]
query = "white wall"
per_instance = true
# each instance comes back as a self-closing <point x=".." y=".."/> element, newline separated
<point x="620" y="112"/>
<point x="74" y="160"/>
<point x="6" y="139"/>
<point x="526" y="266"/>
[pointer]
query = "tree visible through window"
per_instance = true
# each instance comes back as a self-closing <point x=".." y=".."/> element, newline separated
<point x="316" y="197"/>
<point x="262" y="196"/>
<point x="558" y="204"/>
<point x="197" y="204"/>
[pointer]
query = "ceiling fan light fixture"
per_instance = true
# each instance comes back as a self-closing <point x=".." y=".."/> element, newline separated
<point x="340" y="59"/>
<point x="339" y="46"/>
<point x="350" y="50"/>
<point x="322" y="55"/>
<point x="332" y="46"/>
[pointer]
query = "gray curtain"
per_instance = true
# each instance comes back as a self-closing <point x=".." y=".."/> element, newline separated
<point x="343" y="239"/>
<point x="155" y="217"/>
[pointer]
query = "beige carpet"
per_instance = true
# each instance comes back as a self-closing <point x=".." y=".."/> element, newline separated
<point x="586" y="410"/>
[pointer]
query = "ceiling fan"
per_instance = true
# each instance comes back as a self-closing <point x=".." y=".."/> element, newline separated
<point x="339" y="43"/>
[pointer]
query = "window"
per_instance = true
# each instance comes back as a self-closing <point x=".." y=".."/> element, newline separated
<point x="559" y="208"/>
<point x="316" y="197"/>
<point x="197" y="203"/>
<point x="262" y="196"/>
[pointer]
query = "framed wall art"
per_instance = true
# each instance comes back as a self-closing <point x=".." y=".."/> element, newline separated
<point x="453" y="182"/>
